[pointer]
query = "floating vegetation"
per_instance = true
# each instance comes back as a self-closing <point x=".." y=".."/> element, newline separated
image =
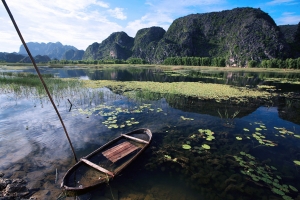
<point x="191" y="89"/>
<point x="297" y="162"/>
<point x="186" y="146"/>
<point x="293" y="188"/>
<point x="111" y="113"/>
<point x="245" y="129"/>
<point x="258" y="129"/>
<point x="238" y="138"/>
<point x="208" y="134"/>
<point x="185" y="118"/>
<point x="260" y="137"/>
<point x="159" y="110"/>
<point x="205" y="146"/>
<point x="263" y="174"/>
<point x="283" y="131"/>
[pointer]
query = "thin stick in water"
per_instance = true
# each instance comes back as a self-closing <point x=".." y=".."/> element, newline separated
<point x="39" y="74"/>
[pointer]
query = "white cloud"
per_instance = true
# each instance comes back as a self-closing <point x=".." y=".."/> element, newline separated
<point x="288" y="18"/>
<point x="117" y="13"/>
<point x="149" y="20"/>
<point x="279" y="2"/>
<point x="71" y="22"/>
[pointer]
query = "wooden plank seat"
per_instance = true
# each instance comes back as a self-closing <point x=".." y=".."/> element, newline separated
<point x="135" y="139"/>
<point x="119" y="151"/>
<point x="101" y="169"/>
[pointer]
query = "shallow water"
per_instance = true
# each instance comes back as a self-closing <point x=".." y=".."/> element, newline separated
<point x="33" y="146"/>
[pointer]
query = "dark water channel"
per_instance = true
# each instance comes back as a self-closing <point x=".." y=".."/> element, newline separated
<point x="251" y="155"/>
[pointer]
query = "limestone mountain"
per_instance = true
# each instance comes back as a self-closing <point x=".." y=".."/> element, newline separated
<point x="37" y="58"/>
<point x="117" y="45"/>
<point x="288" y="32"/>
<point x="53" y="50"/>
<point x="72" y="54"/>
<point x="10" y="57"/>
<point x="239" y="35"/>
<point x="146" y="41"/>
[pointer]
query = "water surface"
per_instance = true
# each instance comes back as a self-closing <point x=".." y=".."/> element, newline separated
<point x="33" y="145"/>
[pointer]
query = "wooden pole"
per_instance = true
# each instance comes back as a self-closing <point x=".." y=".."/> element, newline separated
<point x="39" y="74"/>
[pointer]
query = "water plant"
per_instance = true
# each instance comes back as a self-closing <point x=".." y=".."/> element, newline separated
<point x="186" y="146"/>
<point x="186" y="118"/>
<point x="192" y="89"/>
<point x="205" y="146"/>
<point x="263" y="174"/>
<point x="297" y="162"/>
<point x="238" y="138"/>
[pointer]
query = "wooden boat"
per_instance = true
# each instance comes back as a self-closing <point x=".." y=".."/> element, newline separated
<point x="106" y="162"/>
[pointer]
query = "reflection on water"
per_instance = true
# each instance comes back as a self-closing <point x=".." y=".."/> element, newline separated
<point x="33" y="145"/>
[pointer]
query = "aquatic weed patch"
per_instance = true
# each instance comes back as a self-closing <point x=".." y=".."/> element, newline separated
<point x="112" y="114"/>
<point x="263" y="174"/>
<point x="205" y="91"/>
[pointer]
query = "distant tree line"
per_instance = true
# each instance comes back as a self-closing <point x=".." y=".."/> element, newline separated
<point x="196" y="61"/>
<point x="103" y="61"/>
<point x="191" y="61"/>
<point x="277" y="63"/>
<point x="221" y="62"/>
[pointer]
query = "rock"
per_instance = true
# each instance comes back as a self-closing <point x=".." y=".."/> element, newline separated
<point x="16" y="190"/>
<point x="41" y="194"/>
<point x="12" y="188"/>
<point x="4" y="183"/>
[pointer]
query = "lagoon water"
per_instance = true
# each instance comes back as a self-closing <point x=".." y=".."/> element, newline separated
<point x="33" y="145"/>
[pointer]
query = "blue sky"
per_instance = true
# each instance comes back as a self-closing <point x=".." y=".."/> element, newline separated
<point x="82" y="22"/>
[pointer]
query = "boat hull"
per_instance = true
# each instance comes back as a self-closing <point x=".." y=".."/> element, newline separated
<point x="107" y="161"/>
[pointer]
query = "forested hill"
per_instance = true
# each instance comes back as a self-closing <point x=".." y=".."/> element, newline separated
<point x="238" y="35"/>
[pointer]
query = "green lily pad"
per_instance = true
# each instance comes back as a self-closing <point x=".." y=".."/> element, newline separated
<point x="186" y="146"/>
<point x="245" y="129"/>
<point x="210" y="138"/>
<point x="238" y="138"/>
<point x="293" y="188"/>
<point x="205" y="146"/>
<point x="297" y="136"/>
<point x="167" y="157"/>
<point x="279" y="177"/>
<point x="297" y="162"/>
<point x="277" y="191"/>
<point x="258" y="129"/>
<point x="285" y="197"/>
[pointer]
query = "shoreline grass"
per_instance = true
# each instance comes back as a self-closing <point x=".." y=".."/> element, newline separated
<point x="162" y="67"/>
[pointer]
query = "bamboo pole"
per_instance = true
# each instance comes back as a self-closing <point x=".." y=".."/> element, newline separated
<point x="39" y="74"/>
